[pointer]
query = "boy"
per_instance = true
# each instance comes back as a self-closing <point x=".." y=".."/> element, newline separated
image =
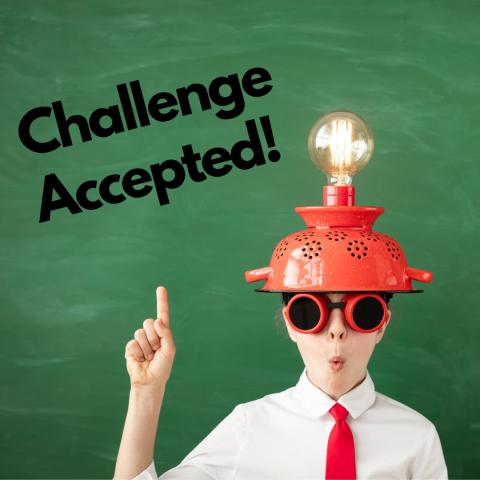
<point x="331" y="424"/>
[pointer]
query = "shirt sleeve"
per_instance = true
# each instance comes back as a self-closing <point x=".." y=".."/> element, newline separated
<point x="148" y="474"/>
<point x="215" y="457"/>
<point x="430" y="462"/>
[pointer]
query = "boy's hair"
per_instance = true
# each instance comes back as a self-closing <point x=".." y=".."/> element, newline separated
<point x="286" y="296"/>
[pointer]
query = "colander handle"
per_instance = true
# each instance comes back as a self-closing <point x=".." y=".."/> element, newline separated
<point x="420" y="275"/>
<point x="257" y="274"/>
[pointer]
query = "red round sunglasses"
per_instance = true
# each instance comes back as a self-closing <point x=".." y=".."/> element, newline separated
<point x="308" y="313"/>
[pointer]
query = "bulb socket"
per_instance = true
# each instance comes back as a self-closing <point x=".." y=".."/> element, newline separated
<point x="338" y="196"/>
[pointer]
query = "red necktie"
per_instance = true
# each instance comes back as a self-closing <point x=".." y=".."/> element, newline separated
<point x="341" y="447"/>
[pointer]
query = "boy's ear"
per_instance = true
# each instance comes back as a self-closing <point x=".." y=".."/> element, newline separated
<point x="381" y="331"/>
<point x="291" y="332"/>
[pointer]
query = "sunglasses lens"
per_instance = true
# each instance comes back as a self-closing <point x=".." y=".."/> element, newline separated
<point x="304" y="313"/>
<point x="368" y="313"/>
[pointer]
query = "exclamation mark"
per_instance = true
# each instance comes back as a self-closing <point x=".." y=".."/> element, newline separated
<point x="273" y="155"/>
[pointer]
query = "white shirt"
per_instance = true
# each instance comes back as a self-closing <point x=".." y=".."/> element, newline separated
<point x="284" y="436"/>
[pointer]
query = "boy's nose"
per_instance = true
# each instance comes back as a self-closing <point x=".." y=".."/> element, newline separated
<point x="337" y="325"/>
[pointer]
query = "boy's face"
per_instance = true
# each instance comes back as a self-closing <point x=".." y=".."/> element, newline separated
<point x="336" y="338"/>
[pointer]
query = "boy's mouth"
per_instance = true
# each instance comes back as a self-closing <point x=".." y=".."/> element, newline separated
<point x="336" y="362"/>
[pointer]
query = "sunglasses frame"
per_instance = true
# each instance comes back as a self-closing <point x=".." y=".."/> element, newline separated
<point x="347" y="305"/>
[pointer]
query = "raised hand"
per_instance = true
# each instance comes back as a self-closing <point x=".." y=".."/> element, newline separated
<point x="150" y="354"/>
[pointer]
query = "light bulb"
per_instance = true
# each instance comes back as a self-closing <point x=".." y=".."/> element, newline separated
<point x="340" y="144"/>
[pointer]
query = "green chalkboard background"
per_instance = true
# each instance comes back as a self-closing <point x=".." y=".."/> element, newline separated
<point x="74" y="289"/>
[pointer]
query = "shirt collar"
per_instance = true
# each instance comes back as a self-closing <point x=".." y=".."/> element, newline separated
<point x="318" y="403"/>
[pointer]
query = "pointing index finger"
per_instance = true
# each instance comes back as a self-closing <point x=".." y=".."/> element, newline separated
<point x="163" y="311"/>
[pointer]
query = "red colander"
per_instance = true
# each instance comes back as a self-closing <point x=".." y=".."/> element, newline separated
<point x="338" y="252"/>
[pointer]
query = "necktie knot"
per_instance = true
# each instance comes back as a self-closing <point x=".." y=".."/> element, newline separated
<point x="339" y="412"/>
